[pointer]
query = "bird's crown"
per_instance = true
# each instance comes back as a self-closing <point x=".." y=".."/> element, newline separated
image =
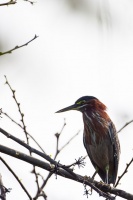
<point x="84" y="99"/>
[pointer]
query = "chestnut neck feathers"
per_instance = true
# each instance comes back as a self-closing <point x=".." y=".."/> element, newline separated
<point x="97" y="119"/>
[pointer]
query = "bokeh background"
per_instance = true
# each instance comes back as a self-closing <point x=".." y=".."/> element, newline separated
<point x="85" y="47"/>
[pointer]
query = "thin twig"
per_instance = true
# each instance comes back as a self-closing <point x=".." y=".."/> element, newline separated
<point x="57" y="135"/>
<point x="31" y="2"/>
<point x="8" y="3"/>
<point x="0" y="112"/>
<point x="23" y="125"/>
<point x="16" y="177"/>
<point x="22" y="128"/>
<point x="42" y="186"/>
<point x="17" y="47"/>
<point x="57" y="153"/>
<point x="125" y="171"/>
<point x="40" y="176"/>
<point x="36" y="177"/>
<point x="69" y="141"/>
<point x="120" y="177"/>
<point x="19" y="109"/>
<point x="61" y="131"/>
<point x="125" y="126"/>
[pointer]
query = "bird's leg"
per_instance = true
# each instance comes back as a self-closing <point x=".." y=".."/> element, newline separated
<point x="107" y="174"/>
<point x="94" y="176"/>
<point x="95" y="173"/>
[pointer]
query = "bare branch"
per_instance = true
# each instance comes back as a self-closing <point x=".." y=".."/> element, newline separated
<point x="31" y="149"/>
<point x="125" y="126"/>
<point x="11" y="2"/>
<point x="57" y="135"/>
<point x="36" y="177"/>
<point x="42" y="186"/>
<point x="101" y="188"/>
<point x="31" y="2"/>
<point x="56" y="154"/>
<point x="22" y="128"/>
<point x="48" y="158"/>
<point x="19" y="109"/>
<point x="69" y="141"/>
<point x="0" y="111"/>
<point x="86" y="191"/>
<point x="2" y="190"/>
<point x="17" y="47"/>
<point x="125" y="171"/>
<point x="16" y="177"/>
<point x="44" y="165"/>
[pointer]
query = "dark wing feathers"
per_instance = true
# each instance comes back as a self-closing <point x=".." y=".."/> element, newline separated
<point x="116" y="146"/>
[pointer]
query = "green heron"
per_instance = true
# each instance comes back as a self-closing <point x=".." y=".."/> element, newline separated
<point x="99" y="137"/>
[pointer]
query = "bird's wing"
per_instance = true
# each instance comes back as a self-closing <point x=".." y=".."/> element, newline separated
<point x="116" y="146"/>
<point x="89" y="152"/>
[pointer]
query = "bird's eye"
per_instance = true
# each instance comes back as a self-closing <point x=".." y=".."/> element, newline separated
<point x="81" y="102"/>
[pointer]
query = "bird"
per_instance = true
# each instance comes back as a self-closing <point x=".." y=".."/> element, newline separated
<point x="100" y="137"/>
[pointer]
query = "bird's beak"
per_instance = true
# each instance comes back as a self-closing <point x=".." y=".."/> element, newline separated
<point x="72" y="107"/>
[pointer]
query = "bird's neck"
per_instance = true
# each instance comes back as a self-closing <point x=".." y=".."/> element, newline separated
<point x="95" y="126"/>
<point x="96" y="117"/>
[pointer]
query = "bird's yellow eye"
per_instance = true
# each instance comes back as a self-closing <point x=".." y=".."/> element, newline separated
<point x="80" y="102"/>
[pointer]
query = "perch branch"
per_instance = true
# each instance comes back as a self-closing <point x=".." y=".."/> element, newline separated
<point x="101" y="188"/>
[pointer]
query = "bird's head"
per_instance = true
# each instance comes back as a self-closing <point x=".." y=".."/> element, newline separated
<point x="81" y="104"/>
